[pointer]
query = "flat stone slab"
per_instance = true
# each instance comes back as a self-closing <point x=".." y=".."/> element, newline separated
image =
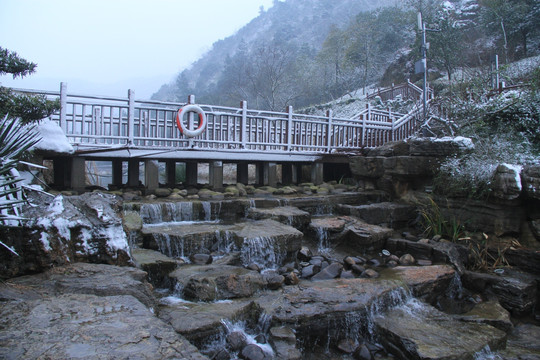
<point x="157" y="265"/>
<point x="181" y="240"/>
<point x="217" y="282"/>
<point x="391" y="214"/>
<point x="80" y="278"/>
<point x="198" y="321"/>
<point x="489" y="312"/>
<point x="88" y="326"/>
<point x="418" y="331"/>
<point x="288" y="215"/>
<point x="522" y="343"/>
<point x="315" y="307"/>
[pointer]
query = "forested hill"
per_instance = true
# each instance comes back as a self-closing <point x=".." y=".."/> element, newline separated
<point x="304" y="52"/>
<point x="288" y="30"/>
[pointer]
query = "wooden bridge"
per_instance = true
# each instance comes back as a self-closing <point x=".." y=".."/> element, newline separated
<point x="133" y="131"/>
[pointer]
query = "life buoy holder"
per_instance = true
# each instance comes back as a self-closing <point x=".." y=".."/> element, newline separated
<point x="202" y="120"/>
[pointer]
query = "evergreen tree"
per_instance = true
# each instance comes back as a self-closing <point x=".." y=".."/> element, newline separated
<point x="25" y="107"/>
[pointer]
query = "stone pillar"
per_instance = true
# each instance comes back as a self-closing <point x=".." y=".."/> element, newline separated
<point x="289" y="173"/>
<point x="317" y="173"/>
<point x="151" y="175"/>
<point x="78" y="174"/>
<point x="215" y="175"/>
<point x="133" y="173"/>
<point x="270" y="174"/>
<point x="242" y="173"/>
<point x="191" y="173"/>
<point x="117" y="172"/>
<point x="299" y="174"/>
<point x="170" y="169"/>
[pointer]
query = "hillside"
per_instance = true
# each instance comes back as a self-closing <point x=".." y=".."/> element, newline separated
<point x="289" y="25"/>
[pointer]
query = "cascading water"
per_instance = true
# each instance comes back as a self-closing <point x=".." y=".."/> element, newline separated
<point x="486" y="354"/>
<point x="173" y="249"/>
<point x="250" y="338"/>
<point x="167" y="212"/>
<point x="224" y="241"/>
<point x="323" y="246"/>
<point x="261" y="251"/>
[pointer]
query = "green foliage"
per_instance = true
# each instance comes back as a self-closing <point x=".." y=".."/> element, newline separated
<point x="25" y="107"/>
<point x="434" y="223"/>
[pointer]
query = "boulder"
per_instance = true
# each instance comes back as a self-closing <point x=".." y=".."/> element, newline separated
<point x="64" y="230"/>
<point x="215" y="282"/>
<point x="489" y="312"/>
<point x="531" y="181"/>
<point x="393" y="214"/>
<point x="330" y="272"/>
<point x="288" y="215"/>
<point x="162" y="192"/>
<point x="156" y="265"/>
<point x="440" y="147"/>
<point x="506" y="182"/>
<point x="419" y="331"/>
<point x="254" y="352"/>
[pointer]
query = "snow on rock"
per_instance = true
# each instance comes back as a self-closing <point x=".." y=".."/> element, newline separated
<point x="507" y="182"/>
<point x="445" y="146"/>
<point x="52" y="138"/>
<point x="81" y="228"/>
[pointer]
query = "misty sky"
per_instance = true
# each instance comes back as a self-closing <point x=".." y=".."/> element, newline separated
<point x="107" y="46"/>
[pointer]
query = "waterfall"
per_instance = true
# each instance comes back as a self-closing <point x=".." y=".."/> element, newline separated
<point x="166" y="212"/>
<point x="261" y="251"/>
<point x="323" y="238"/>
<point x="207" y="207"/>
<point x="240" y="326"/>
<point x="486" y="354"/>
<point x="225" y="241"/>
<point x="173" y="249"/>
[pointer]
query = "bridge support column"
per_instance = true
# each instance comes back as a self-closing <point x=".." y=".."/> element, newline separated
<point x="61" y="172"/>
<point x="317" y="173"/>
<point x="215" y="175"/>
<point x="117" y="172"/>
<point x="270" y="174"/>
<point x="242" y="173"/>
<point x="259" y="174"/>
<point x="133" y="173"/>
<point x="170" y="169"/>
<point x="151" y="175"/>
<point x="191" y="173"/>
<point x="78" y="174"/>
<point x="289" y="174"/>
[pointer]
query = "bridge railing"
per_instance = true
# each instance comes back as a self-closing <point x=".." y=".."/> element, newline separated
<point x="406" y="90"/>
<point x="98" y="123"/>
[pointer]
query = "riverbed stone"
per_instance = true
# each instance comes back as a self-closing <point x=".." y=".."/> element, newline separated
<point x="253" y="352"/>
<point x="489" y="312"/>
<point x="217" y="282"/>
<point x="332" y="271"/>
<point x="419" y="331"/>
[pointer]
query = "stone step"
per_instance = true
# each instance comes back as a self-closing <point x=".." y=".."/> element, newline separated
<point x="416" y="330"/>
<point x="350" y="231"/>
<point x="288" y="215"/>
<point x="264" y="242"/>
<point x="157" y="266"/>
<point x="387" y="214"/>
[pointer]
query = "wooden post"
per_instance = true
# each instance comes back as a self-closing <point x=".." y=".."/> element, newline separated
<point x="329" y="131"/>
<point x="289" y="127"/>
<point x="243" y="124"/>
<point x="131" y="116"/>
<point x="63" y="106"/>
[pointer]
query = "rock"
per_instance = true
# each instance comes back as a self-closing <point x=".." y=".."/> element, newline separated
<point x="286" y="351"/>
<point x="236" y="340"/>
<point x="254" y="267"/>
<point x="282" y="333"/>
<point x="371" y="167"/>
<point x="358" y="269"/>
<point x="347" y="274"/>
<point x="362" y="236"/>
<point x="531" y="181"/>
<point x="64" y="230"/>
<point x="274" y="281"/>
<point x="82" y="278"/>
<point x="347" y="346"/>
<point x="407" y="260"/>
<point x="200" y="321"/>
<point x="162" y="192"/>
<point x="233" y="190"/>
<point x="506" y="183"/>
<point x="522" y="343"/>
<point x="422" y="262"/>
<point x="304" y="254"/>
<point x="201" y="259"/>
<point x="441" y="147"/>
<point x="491" y="313"/>
<point x="157" y="265"/>
<point x="291" y="279"/>
<point x="253" y="352"/>
<point x="393" y="214"/>
<point x="370" y="273"/>
<point x="215" y="282"/>
<point x="362" y="353"/>
<point x="391" y="263"/>
<point x="288" y="215"/>
<point x="348" y="262"/>
<point x="309" y="271"/>
<point x="419" y="331"/>
<point x="516" y="291"/>
<point x="330" y="272"/>
<point x="88" y="326"/>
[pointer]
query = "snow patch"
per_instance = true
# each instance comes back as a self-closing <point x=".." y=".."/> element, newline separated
<point x="52" y="138"/>
<point x="462" y="142"/>
<point x="517" y="173"/>
<point x="45" y="241"/>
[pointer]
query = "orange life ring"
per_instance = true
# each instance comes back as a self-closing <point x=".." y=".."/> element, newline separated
<point x="202" y="120"/>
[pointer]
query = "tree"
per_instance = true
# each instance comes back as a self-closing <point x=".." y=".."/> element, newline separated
<point x="25" y="107"/>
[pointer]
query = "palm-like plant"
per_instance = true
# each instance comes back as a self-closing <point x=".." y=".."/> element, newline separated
<point x="15" y="139"/>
